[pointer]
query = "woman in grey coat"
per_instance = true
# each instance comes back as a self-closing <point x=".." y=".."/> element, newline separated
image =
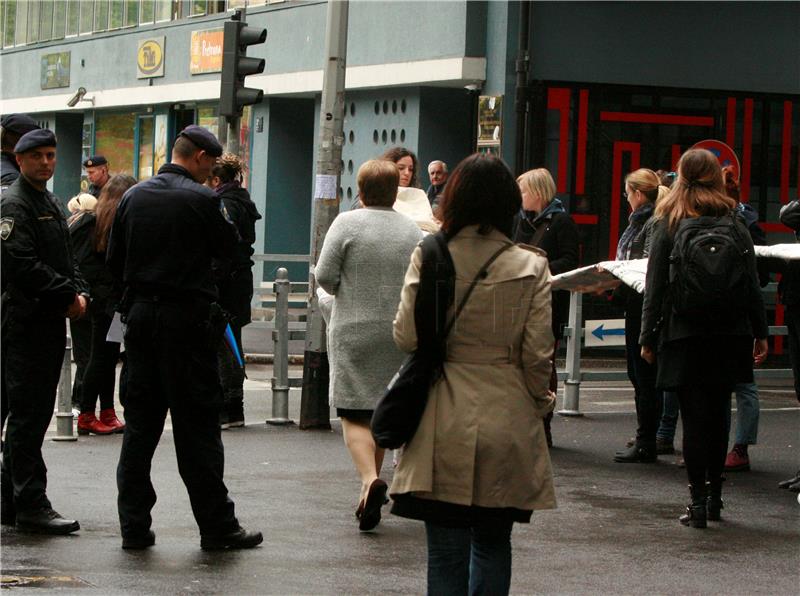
<point x="363" y="263"/>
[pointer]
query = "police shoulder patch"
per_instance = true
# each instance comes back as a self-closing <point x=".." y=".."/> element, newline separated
<point x="6" y="226"/>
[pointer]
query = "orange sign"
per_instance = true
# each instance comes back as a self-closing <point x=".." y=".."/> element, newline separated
<point x="206" y="51"/>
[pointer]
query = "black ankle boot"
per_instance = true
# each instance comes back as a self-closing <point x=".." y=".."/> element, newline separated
<point x="714" y="504"/>
<point x="695" y="515"/>
<point x="638" y="453"/>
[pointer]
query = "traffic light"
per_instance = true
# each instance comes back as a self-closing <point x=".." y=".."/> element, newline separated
<point x="236" y="65"/>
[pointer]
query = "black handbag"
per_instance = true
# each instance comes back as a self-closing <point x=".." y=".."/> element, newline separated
<point x="399" y="410"/>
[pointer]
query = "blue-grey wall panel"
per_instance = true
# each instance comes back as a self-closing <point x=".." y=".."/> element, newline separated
<point x="748" y="46"/>
<point x="442" y="131"/>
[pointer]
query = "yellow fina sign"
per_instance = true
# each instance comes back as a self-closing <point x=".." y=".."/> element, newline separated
<point x="150" y="58"/>
<point x="206" y="51"/>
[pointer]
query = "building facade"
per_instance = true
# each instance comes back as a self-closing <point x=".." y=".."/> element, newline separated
<point x="611" y="86"/>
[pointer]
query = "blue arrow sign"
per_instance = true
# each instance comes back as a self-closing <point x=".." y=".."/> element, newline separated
<point x="600" y="333"/>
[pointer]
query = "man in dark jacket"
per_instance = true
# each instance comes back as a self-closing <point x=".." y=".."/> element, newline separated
<point x="164" y="236"/>
<point x="97" y="173"/>
<point x="41" y="284"/>
<point x="13" y="127"/>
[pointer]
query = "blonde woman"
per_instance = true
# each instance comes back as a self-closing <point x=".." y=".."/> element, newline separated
<point x="543" y="222"/>
<point x="642" y="189"/>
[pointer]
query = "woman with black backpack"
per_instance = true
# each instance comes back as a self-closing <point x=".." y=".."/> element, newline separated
<point x="702" y="309"/>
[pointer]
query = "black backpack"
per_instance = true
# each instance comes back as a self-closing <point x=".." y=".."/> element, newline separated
<point x="710" y="269"/>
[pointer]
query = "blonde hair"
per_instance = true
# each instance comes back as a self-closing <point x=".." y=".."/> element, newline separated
<point x="82" y="202"/>
<point x="645" y="181"/>
<point x="377" y="181"/>
<point x="699" y="190"/>
<point x="539" y="182"/>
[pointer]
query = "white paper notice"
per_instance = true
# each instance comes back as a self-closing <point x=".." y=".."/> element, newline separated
<point x="325" y="187"/>
<point x="115" y="331"/>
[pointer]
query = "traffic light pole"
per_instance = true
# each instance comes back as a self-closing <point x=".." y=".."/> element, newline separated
<point x="232" y="134"/>
<point x="314" y="409"/>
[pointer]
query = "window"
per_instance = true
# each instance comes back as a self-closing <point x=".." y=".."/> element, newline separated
<point x="198" y="8"/>
<point x="33" y="21"/>
<point x="87" y="16"/>
<point x="73" y="17"/>
<point x="145" y="147"/>
<point x="131" y="13"/>
<point x="113" y="139"/>
<point x="59" y="20"/>
<point x="45" y="21"/>
<point x="10" y="18"/>
<point x="101" y="15"/>
<point x="22" y="24"/>
<point x="163" y="10"/>
<point x="117" y="14"/>
<point x="148" y="12"/>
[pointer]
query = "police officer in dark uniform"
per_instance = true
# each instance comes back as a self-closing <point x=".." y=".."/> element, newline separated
<point x="97" y="173"/>
<point x="40" y="284"/>
<point x="165" y="234"/>
<point x="13" y="127"/>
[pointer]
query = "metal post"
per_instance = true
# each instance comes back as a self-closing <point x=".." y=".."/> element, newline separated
<point x="572" y="386"/>
<point x="314" y="409"/>
<point x="64" y="417"/>
<point x="280" y="360"/>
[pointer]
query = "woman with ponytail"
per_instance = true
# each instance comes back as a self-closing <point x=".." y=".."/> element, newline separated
<point x="234" y="279"/>
<point x="642" y="189"/>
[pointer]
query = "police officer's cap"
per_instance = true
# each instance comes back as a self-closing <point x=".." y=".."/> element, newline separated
<point x="94" y="160"/>
<point x="41" y="137"/>
<point x="203" y="139"/>
<point x="18" y="123"/>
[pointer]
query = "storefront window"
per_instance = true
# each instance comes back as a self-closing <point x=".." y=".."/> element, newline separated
<point x="114" y="139"/>
<point x="145" y="148"/>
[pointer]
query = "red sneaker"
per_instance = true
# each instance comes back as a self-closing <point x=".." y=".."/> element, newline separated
<point x="737" y="460"/>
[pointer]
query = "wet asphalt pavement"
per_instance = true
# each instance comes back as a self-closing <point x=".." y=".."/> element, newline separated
<point x="615" y="530"/>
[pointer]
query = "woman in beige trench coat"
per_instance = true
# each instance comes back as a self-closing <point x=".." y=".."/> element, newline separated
<point x="479" y="460"/>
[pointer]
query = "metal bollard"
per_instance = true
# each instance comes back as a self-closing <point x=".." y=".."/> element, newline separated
<point x="64" y="417"/>
<point x="572" y="386"/>
<point x="280" y="360"/>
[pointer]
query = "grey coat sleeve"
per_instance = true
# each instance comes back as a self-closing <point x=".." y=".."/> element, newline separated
<point x="328" y="271"/>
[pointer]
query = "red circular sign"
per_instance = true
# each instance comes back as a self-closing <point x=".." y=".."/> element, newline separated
<point x="724" y="154"/>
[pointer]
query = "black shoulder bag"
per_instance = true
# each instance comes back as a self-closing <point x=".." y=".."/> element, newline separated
<point x="399" y="410"/>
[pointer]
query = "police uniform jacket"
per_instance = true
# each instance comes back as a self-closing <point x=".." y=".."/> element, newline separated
<point x="9" y="171"/>
<point x="165" y="233"/>
<point x="39" y="272"/>
<point x="480" y="448"/>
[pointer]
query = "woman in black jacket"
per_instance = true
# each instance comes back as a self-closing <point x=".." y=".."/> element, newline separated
<point x="543" y="222"/>
<point x="702" y="352"/>
<point x="642" y="189"/>
<point x="234" y="279"/>
<point x="90" y="238"/>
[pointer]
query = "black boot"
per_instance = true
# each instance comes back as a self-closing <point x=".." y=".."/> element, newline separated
<point x="639" y="453"/>
<point x="695" y="515"/>
<point x="714" y="504"/>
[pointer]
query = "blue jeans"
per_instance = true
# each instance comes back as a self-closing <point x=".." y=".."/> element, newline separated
<point x="470" y="561"/>
<point x="747" y="412"/>
<point x="669" y="418"/>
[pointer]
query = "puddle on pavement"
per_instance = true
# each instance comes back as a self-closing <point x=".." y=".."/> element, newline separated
<point x="40" y="578"/>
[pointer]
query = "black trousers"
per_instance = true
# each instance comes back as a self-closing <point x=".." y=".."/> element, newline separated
<point x="792" y="318"/>
<point x="171" y="366"/>
<point x="100" y="375"/>
<point x="230" y="373"/>
<point x="649" y="400"/>
<point x="81" y="333"/>
<point x="705" y="433"/>
<point x="33" y="350"/>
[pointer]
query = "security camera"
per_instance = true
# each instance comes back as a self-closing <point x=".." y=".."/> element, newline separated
<point x="78" y="97"/>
